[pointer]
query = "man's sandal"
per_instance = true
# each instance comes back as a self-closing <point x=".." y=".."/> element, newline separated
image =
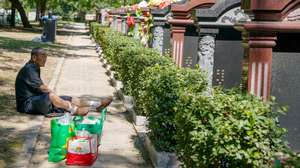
<point x="50" y="115"/>
<point x="104" y="103"/>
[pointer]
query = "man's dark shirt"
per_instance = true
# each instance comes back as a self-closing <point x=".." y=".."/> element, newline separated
<point x="27" y="85"/>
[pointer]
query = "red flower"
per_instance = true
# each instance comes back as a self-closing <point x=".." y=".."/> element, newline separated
<point x="164" y="4"/>
<point x="130" y="21"/>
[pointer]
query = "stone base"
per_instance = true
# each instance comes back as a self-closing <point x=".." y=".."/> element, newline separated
<point x="138" y="120"/>
<point x="160" y="159"/>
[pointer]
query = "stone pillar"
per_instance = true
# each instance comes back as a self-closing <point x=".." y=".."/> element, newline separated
<point x="124" y="25"/>
<point x="119" y="24"/>
<point x="103" y="17"/>
<point x="126" y="28"/>
<point x="206" y="53"/>
<point x="136" y="29"/>
<point x="142" y="24"/>
<point x="260" y="64"/>
<point x="177" y="44"/>
<point x="178" y="28"/>
<point x="115" y="23"/>
<point x="158" y="38"/>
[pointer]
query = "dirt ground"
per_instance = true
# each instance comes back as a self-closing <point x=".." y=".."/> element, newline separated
<point x="15" y="47"/>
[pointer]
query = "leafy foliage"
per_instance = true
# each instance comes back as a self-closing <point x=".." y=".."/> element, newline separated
<point x="127" y="56"/>
<point x="217" y="129"/>
<point x="226" y="128"/>
<point x="158" y="98"/>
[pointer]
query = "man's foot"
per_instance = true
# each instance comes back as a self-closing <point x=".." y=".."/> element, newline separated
<point x="81" y="111"/>
<point x="104" y="103"/>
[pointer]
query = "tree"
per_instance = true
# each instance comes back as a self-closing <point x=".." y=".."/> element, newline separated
<point x="13" y="16"/>
<point x="17" y="5"/>
<point x="41" y="7"/>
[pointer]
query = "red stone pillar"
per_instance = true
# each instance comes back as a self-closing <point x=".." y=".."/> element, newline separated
<point x="119" y="25"/>
<point x="181" y="18"/>
<point x="143" y="24"/>
<point x="260" y="64"/>
<point x="178" y="28"/>
<point x="110" y="20"/>
<point x="177" y="44"/>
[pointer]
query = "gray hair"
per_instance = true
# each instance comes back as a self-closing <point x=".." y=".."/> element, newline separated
<point x="37" y="51"/>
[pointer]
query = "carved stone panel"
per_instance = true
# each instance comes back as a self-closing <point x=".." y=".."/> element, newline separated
<point x="136" y="31"/>
<point x="293" y="16"/>
<point x="234" y="16"/>
<point x="158" y="37"/>
<point x="123" y="26"/>
<point x="206" y="52"/>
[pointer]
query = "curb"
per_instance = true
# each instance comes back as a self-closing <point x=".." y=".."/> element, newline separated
<point x="160" y="159"/>
<point x="31" y="138"/>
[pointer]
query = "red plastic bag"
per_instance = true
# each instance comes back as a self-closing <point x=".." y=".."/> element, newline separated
<point x="82" y="150"/>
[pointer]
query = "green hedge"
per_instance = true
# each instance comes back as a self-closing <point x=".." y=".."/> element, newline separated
<point x="128" y="57"/>
<point x="158" y="98"/>
<point x="227" y="127"/>
<point x="205" y="130"/>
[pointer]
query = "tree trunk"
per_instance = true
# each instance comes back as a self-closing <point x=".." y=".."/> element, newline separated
<point x="38" y="10"/>
<point x="13" y="16"/>
<point x="43" y="7"/>
<point x="19" y="7"/>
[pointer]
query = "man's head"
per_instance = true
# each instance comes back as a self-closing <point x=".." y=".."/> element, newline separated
<point x="39" y="57"/>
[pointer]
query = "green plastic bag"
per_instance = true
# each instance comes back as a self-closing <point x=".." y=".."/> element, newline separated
<point x="62" y="129"/>
<point x="91" y="124"/>
<point x="103" y="114"/>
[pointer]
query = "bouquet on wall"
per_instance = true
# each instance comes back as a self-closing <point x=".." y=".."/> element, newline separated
<point x="131" y="24"/>
<point x="161" y="3"/>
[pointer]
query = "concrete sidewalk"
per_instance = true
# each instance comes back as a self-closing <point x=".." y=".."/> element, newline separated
<point x="82" y="75"/>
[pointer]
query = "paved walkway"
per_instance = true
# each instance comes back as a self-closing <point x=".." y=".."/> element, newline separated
<point x="82" y="75"/>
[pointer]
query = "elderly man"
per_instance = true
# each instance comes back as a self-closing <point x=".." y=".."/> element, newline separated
<point x="35" y="97"/>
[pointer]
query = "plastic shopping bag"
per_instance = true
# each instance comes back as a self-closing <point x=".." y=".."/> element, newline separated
<point x="91" y="124"/>
<point x="61" y="131"/>
<point x="82" y="150"/>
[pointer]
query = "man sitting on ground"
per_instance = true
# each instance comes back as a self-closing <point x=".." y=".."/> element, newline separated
<point x="35" y="97"/>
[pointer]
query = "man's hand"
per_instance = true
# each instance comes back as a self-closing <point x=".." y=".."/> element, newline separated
<point x="44" y="88"/>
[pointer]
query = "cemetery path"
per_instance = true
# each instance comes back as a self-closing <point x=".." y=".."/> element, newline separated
<point x="82" y="75"/>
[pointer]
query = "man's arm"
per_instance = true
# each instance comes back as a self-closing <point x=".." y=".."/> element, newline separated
<point x="44" y="88"/>
<point x="33" y="80"/>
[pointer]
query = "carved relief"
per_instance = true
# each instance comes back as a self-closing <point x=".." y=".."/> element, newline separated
<point x="206" y="55"/>
<point x="233" y="16"/>
<point x="123" y="27"/>
<point x="136" y="31"/>
<point x="293" y="16"/>
<point x="158" y="37"/>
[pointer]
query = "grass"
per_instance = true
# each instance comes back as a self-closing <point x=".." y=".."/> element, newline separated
<point x="23" y="45"/>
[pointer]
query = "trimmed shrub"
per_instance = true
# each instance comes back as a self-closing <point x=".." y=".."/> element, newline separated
<point x="127" y="56"/>
<point x="133" y="62"/>
<point x="226" y="128"/>
<point x="220" y="129"/>
<point x="158" y="99"/>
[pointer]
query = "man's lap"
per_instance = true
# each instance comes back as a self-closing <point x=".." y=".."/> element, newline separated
<point x="41" y="104"/>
